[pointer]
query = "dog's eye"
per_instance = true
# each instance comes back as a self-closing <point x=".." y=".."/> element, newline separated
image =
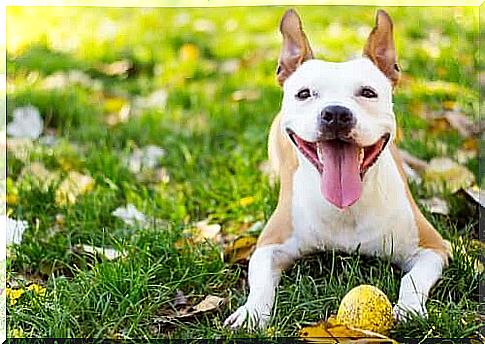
<point x="303" y="94"/>
<point x="367" y="92"/>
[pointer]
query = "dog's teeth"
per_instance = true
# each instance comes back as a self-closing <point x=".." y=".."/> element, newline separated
<point x="319" y="153"/>
<point x="361" y="156"/>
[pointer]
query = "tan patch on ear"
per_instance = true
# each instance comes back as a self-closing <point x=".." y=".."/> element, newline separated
<point x="428" y="236"/>
<point x="283" y="158"/>
<point x="380" y="47"/>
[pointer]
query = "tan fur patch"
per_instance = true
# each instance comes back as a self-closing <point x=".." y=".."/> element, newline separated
<point x="428" y="236"/>
<point x="283" y="158"/>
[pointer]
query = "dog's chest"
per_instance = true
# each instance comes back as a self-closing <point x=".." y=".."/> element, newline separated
<point x="381" y="223"/>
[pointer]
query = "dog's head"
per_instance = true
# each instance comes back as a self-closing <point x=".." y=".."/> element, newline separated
<point x="338" y="115"/>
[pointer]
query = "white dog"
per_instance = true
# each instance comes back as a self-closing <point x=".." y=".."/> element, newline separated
<point x="341" y="181"/>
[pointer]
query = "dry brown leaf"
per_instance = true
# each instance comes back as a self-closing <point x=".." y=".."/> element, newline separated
<point x="201" y="232"/>
<point x="116" y="68"/>
<point x="38" y="175"/>
<point x="415" y="163"/>
<point x="444" y="173"/>
<point x="455" y="120"/>
<point x="74" y="185"/>
<point x="461" y="123"/>
<point x="475" y="194"/>
<point x="180" y="299"/>
<point x="332" y="332"/>
<point x="248" y="95"/>
<point x="435" y="205"/>
<point x="240" y="249"/>
<point x="108" y="253"/>
<point x="208" y="304"/>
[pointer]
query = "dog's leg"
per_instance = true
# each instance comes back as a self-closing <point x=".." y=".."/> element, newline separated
<point x="265" y="267"/>
<point x="424" y="271"/>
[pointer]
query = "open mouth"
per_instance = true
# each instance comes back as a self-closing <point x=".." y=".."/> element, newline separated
<point x="341" y="164"/>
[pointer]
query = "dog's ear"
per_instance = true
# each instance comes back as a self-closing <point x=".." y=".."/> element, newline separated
<point x="296" y="48"/>
<point x="380" y="47"/>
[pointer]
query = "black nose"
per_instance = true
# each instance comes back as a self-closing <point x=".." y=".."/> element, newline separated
<point x="336" y="120"/>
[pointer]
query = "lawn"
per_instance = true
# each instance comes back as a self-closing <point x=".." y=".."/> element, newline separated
<point x="200" y="84"/>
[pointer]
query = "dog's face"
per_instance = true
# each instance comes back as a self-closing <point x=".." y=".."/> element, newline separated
<point x="338" y="116"/>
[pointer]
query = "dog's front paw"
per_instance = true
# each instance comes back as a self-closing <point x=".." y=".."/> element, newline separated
<point x="248" y="316"/>
<point x="404" y="311"/>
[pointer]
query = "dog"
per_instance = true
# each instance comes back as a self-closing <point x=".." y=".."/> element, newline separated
<point x="342" y="184"/>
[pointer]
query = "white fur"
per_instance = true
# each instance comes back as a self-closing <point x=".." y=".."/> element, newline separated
<point x="381" y="222"/>
<point x="424" y="271"/>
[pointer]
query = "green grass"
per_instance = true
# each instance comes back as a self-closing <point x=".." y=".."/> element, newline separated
<point x="214" y="148"/>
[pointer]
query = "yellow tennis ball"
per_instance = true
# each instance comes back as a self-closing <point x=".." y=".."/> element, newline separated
<point x="368" y="308"/>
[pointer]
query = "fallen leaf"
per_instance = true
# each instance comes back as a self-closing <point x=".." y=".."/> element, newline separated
<point x="240" y="249"/>
<point x="248" y="95"/>
<point x="116" y="68"/>
<point x="204" y="25"/>
<point x="37" y="175"/>
<point x="205" y="231"/>
<point x="455" y="120"/>
<point x="147" y="157"/>
<point x="60" y="80"/>
<point x="189" y="52"/>
<point x="27" y="123"/>
<point x="130" y="215"/>
<point x="20" y="148"/>
<point x="201" y="232"/>
<point x="74" y="185"/>
<point x="157" y="99"/>
<point x="108" y="253"/>
<point x="180" y="299"/>
<point x="208" y="304"/>
<point x="415" y="163"/>
<point x="323" y="331"/>
<point x="37" y="289"/>
<point x="230" y="66"/>
<point x="444" y="173"/>
<point x="13" y="295"/>
<point x="461" y="123"/>
<point x="12" y="192"/>
<point x="245" y="201"/>
<point x="475" y="194"/>
<point x="435" y="205"/>
<point x="114" y="104"/>
<point x="15" y="229"/>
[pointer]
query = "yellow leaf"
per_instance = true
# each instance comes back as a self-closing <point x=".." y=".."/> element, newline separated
<point x="332" y="332"/>
<point x="189" y="52"/>
<point x="444" y="173"/>
<point x="74" y="185"/>
<point x="245" y="201"/>
<point x="240" y="249"/>
<point x="449" y="105"/>
<point x="14" y="294"/>
<point x="37" y="289"/>
<point x="114" y="104"/>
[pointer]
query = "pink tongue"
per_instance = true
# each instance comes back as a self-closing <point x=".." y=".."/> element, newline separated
<point x="340" y="179"/>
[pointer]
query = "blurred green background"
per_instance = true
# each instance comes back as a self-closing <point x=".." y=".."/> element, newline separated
<point x="200" y="83"/>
